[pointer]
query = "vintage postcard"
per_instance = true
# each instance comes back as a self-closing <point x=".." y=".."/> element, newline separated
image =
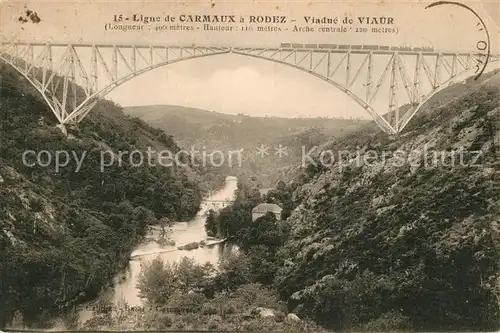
<point x="290" y="166"/>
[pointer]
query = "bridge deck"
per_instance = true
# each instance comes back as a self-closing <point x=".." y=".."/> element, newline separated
<point x="345" y="48"/>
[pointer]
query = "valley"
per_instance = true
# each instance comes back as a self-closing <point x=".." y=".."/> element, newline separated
<point x="371" y="242"/>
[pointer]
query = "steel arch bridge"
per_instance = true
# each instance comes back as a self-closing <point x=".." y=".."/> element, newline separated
<point x="72" y="84"/>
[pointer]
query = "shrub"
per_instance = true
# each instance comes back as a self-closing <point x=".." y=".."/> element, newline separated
<point x="389" y="321"/>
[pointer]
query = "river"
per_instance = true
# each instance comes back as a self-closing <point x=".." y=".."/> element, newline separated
<point x="124" y="287"/>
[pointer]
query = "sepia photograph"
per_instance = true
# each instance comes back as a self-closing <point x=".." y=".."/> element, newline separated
<point x="249" y="166"/>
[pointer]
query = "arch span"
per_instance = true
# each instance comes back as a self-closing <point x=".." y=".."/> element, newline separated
<point x="320" y="63"/>
<point x="82" y="110"/>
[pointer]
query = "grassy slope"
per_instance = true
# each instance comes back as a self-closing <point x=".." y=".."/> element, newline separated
<point x="397" y="241"/>
<point x="209" y="131"/>
<point x="191" y="125"/>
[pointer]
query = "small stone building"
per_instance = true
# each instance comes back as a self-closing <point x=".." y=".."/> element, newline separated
<point x="263" y="208"/>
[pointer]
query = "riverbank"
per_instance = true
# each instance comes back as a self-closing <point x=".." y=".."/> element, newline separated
<point x="124" y="285"/>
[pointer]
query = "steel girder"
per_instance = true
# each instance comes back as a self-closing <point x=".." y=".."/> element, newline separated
<point x="72" y="84"/>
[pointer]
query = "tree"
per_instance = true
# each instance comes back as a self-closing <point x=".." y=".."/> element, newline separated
<point x="263" y="231"/>
<point x="190" y="274"/>
<point x="164" y="222"/>
<point x="234" y="271"/>
<point x="157" y="282"/>
<point x="210" y="223"/>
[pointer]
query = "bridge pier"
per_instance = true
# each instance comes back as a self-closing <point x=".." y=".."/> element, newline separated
<point x="63" y="129"/>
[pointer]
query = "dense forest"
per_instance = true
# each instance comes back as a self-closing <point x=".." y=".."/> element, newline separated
<point x="65" y="233"/>
<point x="410" y="239"/>
<point x="394" y="242"/>
<point x="237" y="294"/>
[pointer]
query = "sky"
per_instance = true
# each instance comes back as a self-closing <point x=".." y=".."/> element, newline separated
<point x="237" y="84"/>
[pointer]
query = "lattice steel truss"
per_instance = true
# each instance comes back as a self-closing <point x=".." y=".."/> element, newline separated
<point x="86" y="65"/>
